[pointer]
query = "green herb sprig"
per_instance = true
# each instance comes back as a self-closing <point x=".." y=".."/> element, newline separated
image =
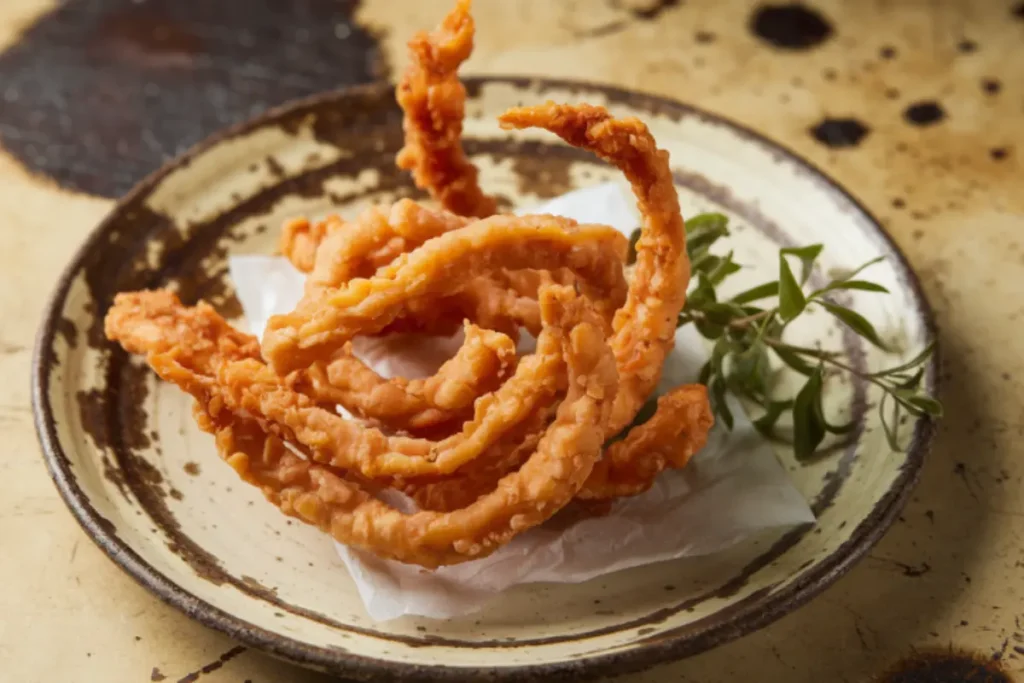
<point x="745" y="336"/>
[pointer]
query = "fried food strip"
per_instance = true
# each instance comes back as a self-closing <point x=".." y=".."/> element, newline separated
<point x="248" y="388"/>
<point x="439" y="267"/>
<point x="380" y="235"/>
<point x="484" y="359"/>
<point x="481" y="476"/>
<point x="645" y="326"/>
<point x="678" y="429"/>
<point x="157" y="322"/>
<point x="434" y="100"/>
<point x="300" y="239"/>
<point x="524" y="499"/>
<point x="372" y="241"/>
<point x="358" y="249"/>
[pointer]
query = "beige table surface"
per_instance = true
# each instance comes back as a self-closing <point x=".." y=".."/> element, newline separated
<point x="948" y="574"/>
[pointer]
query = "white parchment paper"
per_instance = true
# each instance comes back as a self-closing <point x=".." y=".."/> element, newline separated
<point x="733" y="488"/>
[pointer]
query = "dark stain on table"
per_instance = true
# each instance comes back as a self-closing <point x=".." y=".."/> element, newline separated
<point x="925" y="113"/>
<point x="999" y="153"/>
<point x="946" y="666"/>
<point x="213" y="666"/>
<point x="967" y="46"/>
<point x="98" y="93"/>
<point x="790" y="27"/>
<point x="845" y="132"/>
<point x="991" y="86"/>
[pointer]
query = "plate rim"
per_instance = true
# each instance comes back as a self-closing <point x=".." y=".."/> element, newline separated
<point x="747" y="619"/>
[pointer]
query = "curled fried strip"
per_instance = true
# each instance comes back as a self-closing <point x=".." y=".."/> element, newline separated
<point x="645" y="326"/>
<point x="380" y="235"/>
<point x="334" y="252"/>
<point x="484" y="359"/>
<point x="678" y="429"/>
<point x="546" y="482"/>
<point x="592" y="253"/>
<point x="248" y="388"/>
<point x="482" y="475"/>
<point x="434" y="101"/>
<point x="157" y="322"/>
<point x="300" y="239"/>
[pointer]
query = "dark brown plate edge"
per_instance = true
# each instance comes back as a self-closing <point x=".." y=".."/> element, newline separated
<point x="749" y="618"/>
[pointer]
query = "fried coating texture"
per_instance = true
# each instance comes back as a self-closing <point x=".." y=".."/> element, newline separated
<point x="434" y="101"/>
<point x="440" y="267"/>
<point x="492" y="444"/>
<point x="645" y="326"/>
<point x="178" y="345"/>
<point x="547" y="481"/>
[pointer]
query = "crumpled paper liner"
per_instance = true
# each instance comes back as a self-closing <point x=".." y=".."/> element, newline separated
<point x="732" y="489"/>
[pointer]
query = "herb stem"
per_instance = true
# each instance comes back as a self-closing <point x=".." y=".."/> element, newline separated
<point x="830" y="358"/>
<point x="824" y="356"/>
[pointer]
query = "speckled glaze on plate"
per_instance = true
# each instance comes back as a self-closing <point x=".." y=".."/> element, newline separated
<point x="150" y="490"/>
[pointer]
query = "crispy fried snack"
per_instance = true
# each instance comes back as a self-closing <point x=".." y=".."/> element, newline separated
<point x="645" y="326"/>
<point x="434" y="101"/>
<point x="492" y="444"/>
<point x="197" y="350"/>
<point x="300" y="239"/>
<point x="545" y="483"/>
<point x="503" y="301"/>
<point x="441" y="267"/>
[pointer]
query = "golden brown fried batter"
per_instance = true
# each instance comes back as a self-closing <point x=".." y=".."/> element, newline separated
<point x="533" y="427"/>
<point x="645" y="326"/>
<point x="545" y="483"/>
<point x="300" y="239"/>
<point x="434" y="101"/>
<point x="439" y="268"/>
<point x="181" y="353"/>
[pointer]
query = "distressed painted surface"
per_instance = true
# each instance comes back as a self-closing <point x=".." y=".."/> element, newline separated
<point x="921" y="115"/>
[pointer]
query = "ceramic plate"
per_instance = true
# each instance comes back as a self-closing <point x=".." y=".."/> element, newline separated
<point x="149" y="488"/>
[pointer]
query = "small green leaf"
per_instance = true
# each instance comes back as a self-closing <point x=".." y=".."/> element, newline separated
<point x="841" y="429"/>
<point x="927" y="404"/>
<point x="719" y="403"/>
<point x="704" y="230"/>
<point x="749" y="372"/>
<point x="808" y="426"/>
<point x="860" y="285"/>
<point x="702" y="293"/>
<point x="891" y="424"/>
<point x="855" y="321"/>
<point x="705" y="373"/>
<point x="719" y="351"/>
<point x="634" y="237"/>
<point x="918" y="404"/>
<point x="709" y="331"/>
<point x="755" y="293"/>
<point x="773" y="411"/>
<point x="791" y="297"/>
<point x="702" y="262"/>
<point x="842" y="277"/>
<point x="912" y="382"/>
<point x="793" y="360"/>
<point x="725" y="267"/>
<point x="645" y="413"/>
<point x="912" y="363"/>
<point x="721" y="313"/>
<point x="807" y="256"/>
